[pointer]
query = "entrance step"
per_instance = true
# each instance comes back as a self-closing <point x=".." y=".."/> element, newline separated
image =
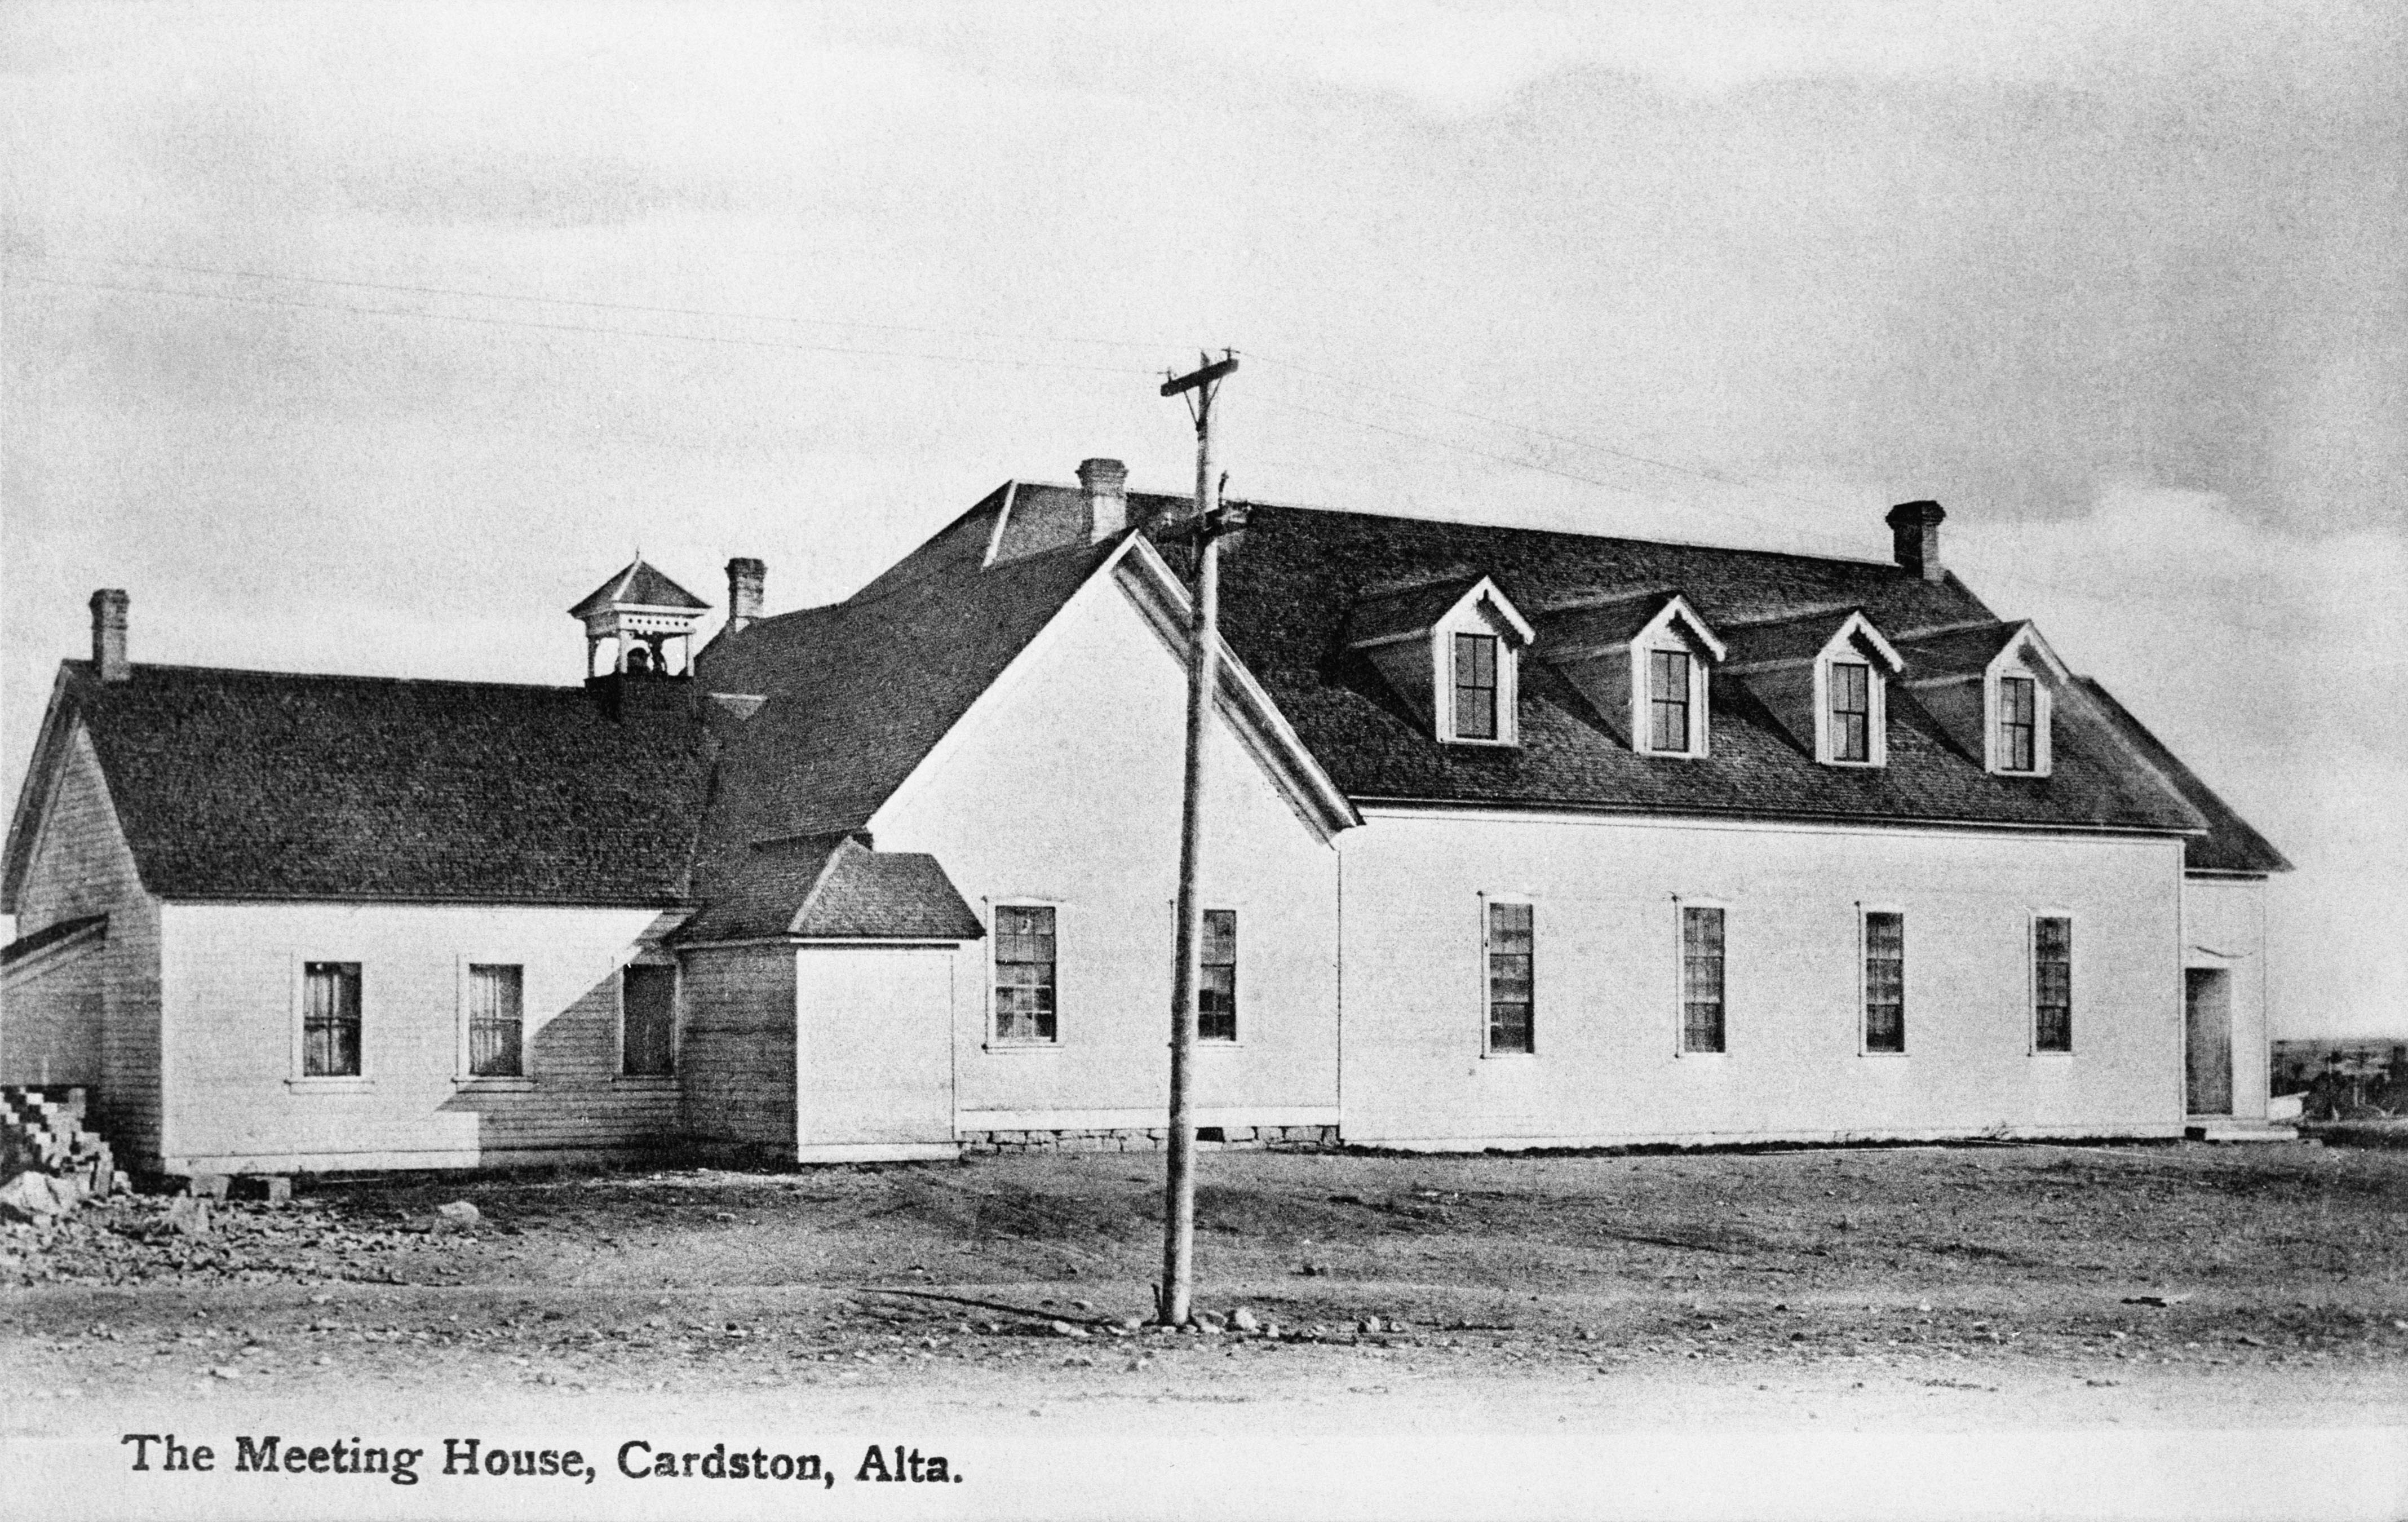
<point x="44" y="1131"/>
<point x="2239" y="1130"/>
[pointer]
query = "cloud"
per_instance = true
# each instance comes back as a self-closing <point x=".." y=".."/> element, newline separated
<point x="2270" y="662"/>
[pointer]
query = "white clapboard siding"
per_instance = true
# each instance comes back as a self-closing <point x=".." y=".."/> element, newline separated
<point x="736" y="1045"/>
<point x="81" y="864"/>
<point x="237" y="1100"/>
<point x="1608" y="1068"/>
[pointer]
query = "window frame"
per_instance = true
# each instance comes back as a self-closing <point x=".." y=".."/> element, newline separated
<point x="676" y="1021"/>
<point x="463" y="1073"/>
<point x="1865" y="911"/>
<point x="1202" y="961"/>
<point x="1696" y="728"/>
<point x="299" y="1076"/>
<point x="1827" y="714"/>
<point x="1488" y="903"/>
<point x="995" y="1040"/>
<point x="2031" y="968"/>
<point x="1682" y="907"/>
<point x="1457" y="687"/>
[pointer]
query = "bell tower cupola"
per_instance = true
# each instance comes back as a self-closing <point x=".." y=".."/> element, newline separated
<point x="636" y="614"/>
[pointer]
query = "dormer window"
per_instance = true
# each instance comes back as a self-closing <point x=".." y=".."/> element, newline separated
<point x="2015" y="686"/>
<point x="1475" y="686"/>
<point x="1642" y="659"/>
<point x="1451" y="650"/>
<point x="1992" y="688"/>
<point x="1824" y="676"/>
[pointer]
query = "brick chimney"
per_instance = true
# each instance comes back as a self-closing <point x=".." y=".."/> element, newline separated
<point x="744" y="580"/>
<point x="1105" y="484"/>
<point x="109" y="635"/>
<point x="1915" y="537"/>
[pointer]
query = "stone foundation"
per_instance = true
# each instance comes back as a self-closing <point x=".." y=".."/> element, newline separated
<point x="1153" y="1139"/>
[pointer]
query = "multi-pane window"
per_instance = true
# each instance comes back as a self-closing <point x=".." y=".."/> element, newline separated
<point x="2018" y="724"/>
<point x="495" y="1022"/>
<point x="1667" y="700"/>
<point x="1023" y="973"/>
<point x="1509" y="978"/>
<point x="2053" y="983"/>
<point x="1701" y="980"/>
<point x="330" y="1020"/>
<point x="1475" y="686"/>
<point x="1851" y="712"/>
<point x="1884" y="982"/>
<point x="647" y="1020"/>
<point x="1216" y="993"/>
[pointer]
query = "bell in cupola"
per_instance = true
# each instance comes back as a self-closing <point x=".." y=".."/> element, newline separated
<point x="635" y="615"/>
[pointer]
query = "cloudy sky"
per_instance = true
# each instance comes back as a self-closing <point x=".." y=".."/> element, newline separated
<point x="368" y="340"/>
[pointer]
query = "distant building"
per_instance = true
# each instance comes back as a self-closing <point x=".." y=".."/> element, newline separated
<point x="1516" y="839"/>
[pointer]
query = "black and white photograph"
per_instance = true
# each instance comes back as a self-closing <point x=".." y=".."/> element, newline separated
<point x="1424" y="759"/>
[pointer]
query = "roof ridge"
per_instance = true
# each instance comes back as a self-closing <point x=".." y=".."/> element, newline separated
<point x="1573" y="534"/>
<point x="1820" y="610"/>
<point x="82" y="666"/>
<point x="820" y="878"/>
<point x="1588" y="601"/>
<point x="1936" y="630"/>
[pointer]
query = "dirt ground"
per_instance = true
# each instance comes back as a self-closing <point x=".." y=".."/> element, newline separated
<point x="2110" y="1277"/>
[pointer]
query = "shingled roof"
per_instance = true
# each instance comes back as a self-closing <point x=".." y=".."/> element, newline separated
<point x="832" y="888"/>
<point x="1287" y="589"/>
<point x="2230" y="844"/>
<point x="264" y="785"/>
<point x="860" y="692"/>
<point x="267" y="785"/>
<point x="639" y="585"/>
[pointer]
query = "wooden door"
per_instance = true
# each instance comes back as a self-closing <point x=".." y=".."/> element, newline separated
<point x="2207" y="1040"/>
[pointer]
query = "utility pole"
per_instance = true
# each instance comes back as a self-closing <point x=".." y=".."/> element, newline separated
<point x="1203" y="641"/>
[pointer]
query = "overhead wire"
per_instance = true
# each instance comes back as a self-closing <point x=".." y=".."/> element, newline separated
<point x="724" y="339"/>
<point x="613" y="306"/>
<point x="1844" y="548"/>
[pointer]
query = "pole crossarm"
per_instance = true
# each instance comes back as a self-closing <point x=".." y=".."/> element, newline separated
<point x="1214" y="369"/>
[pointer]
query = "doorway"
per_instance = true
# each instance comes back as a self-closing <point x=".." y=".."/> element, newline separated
<point x="2207" y="1040"/>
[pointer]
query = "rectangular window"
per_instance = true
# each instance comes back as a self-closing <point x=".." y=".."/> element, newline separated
<point x="1851" y="712"/>
<point x="1216" y="994"/>
<point x="1475" y="686"/>
<point x="1884" y="982"/>
<point x="330" y="1020"/>
<point x="1701" y="980"/>
<point x="1509" y="978"/>
<point x="495" y="1014"/>
<point x="1023" y="973"/>
<point x="2018" y="725"/>
<point x="1667" y="700"/>
<point x="648" y="1021"/>
<point x="2053" y="984"/>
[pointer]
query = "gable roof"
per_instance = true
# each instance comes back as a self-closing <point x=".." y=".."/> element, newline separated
<point x="1287" y="589"/>
<point x="2231" y="846"/>
<point x="1782" y="641"/>
<point x="1949" y="653"/>
<point x="1379" y="617"/>
<point x="639" y="584"/>
<point x="266" y="784"/>
<point x="1599" y="622"/>
<point x="860" y="692"/>
<point x="831" y="887"/>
